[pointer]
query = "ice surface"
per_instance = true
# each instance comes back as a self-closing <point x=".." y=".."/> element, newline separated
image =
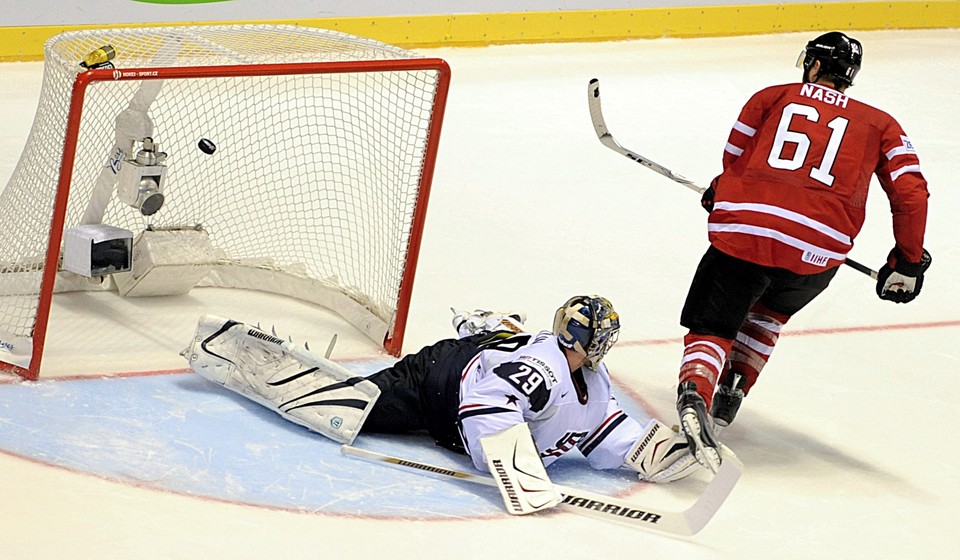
<point x="846" y="440"/>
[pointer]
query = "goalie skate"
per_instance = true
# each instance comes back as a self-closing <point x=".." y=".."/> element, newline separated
<point x="297" y="384"/>
<point x="478" y="321"/>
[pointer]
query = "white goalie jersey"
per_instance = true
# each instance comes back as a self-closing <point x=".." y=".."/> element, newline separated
<point x="525" y="378"/>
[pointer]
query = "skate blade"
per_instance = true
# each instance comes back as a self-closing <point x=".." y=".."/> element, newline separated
<point x="705" y="455"/>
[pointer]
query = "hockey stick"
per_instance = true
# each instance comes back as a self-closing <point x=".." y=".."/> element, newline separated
<point x="607" y="139"/>
<point x="607" y="508"/>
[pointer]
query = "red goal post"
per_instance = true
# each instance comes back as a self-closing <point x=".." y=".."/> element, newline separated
<point x="324" y="146"/>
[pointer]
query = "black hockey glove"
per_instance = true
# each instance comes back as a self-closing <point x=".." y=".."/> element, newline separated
<point x="706" y="200"/>
<point x="900" y="280"/>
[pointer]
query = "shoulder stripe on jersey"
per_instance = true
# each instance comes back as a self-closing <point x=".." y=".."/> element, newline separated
<point x="786" y="215"/>
<point x="740" y="127"/>
<point x="731" y="149"/>
<point x="601" y="434"/>
<point x="464" y="414"/>
<point x="466" y="370"/>
<point x="899" y="151"/>
<point x="775" y="235"/>
<point x="905" y="169"/>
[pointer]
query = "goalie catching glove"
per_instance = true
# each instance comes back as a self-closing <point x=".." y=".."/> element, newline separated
<point x="662" y="455"/>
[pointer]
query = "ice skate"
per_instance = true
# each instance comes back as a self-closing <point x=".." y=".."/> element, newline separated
<point x="728" y="398"/>
<point x="698" y="426"/>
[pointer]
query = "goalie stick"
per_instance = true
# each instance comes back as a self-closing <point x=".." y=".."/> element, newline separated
<point x="606" y="508"/>
<point x="607" y="139"/>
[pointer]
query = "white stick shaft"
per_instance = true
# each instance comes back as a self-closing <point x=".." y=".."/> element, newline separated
<point x="606" y="508"/>
<point x="607" y="139"/>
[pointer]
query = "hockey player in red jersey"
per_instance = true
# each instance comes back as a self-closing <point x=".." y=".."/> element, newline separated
<point x="783" y="216"/>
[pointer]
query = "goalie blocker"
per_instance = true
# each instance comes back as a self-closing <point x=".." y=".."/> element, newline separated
<point x="661" y="456"/>
<point x="293" y="381"/>
<point x="518" y="471"/>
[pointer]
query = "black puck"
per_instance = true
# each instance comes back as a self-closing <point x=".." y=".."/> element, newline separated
<point x="206" y="146"/>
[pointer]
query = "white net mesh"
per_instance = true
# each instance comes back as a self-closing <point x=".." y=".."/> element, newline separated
<point x="316" y="176"/>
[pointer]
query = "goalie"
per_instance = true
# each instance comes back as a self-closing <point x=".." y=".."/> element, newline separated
<point x="462" y="391"/>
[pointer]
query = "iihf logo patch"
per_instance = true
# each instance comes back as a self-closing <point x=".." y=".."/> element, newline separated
<point x="815" y="259"/>
<point x="908" y="145"/>
<point x="336" y="422"/>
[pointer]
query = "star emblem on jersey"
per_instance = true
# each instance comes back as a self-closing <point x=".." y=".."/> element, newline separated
<point x="511" y="399"/>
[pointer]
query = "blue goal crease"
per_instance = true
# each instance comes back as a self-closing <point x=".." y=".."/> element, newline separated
<point x="183" y="434"/>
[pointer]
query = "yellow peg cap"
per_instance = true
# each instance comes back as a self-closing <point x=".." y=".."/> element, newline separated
<point x="100" y="56"/>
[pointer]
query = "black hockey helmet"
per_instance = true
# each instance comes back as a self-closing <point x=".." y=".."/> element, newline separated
<point x="839" y="57"/>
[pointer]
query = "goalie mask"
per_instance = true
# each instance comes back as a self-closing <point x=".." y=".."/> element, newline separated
<point x="587" y="325"/>
<point x="839" y="56"/>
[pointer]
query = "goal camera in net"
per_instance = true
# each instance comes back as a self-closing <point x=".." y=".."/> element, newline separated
<point x="140" y="180"/>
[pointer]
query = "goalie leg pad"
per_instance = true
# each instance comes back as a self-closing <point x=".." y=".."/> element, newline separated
<point x="301" y="386"/>
<point x="516" y="466"/>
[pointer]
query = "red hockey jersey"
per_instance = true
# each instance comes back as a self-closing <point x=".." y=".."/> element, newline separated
<point x="796" y="169"/>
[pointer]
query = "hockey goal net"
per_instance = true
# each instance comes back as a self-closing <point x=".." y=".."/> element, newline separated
<point x="322" y="147"/>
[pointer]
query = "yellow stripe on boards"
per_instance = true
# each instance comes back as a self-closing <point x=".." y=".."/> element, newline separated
<point x="26" y="43"/>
